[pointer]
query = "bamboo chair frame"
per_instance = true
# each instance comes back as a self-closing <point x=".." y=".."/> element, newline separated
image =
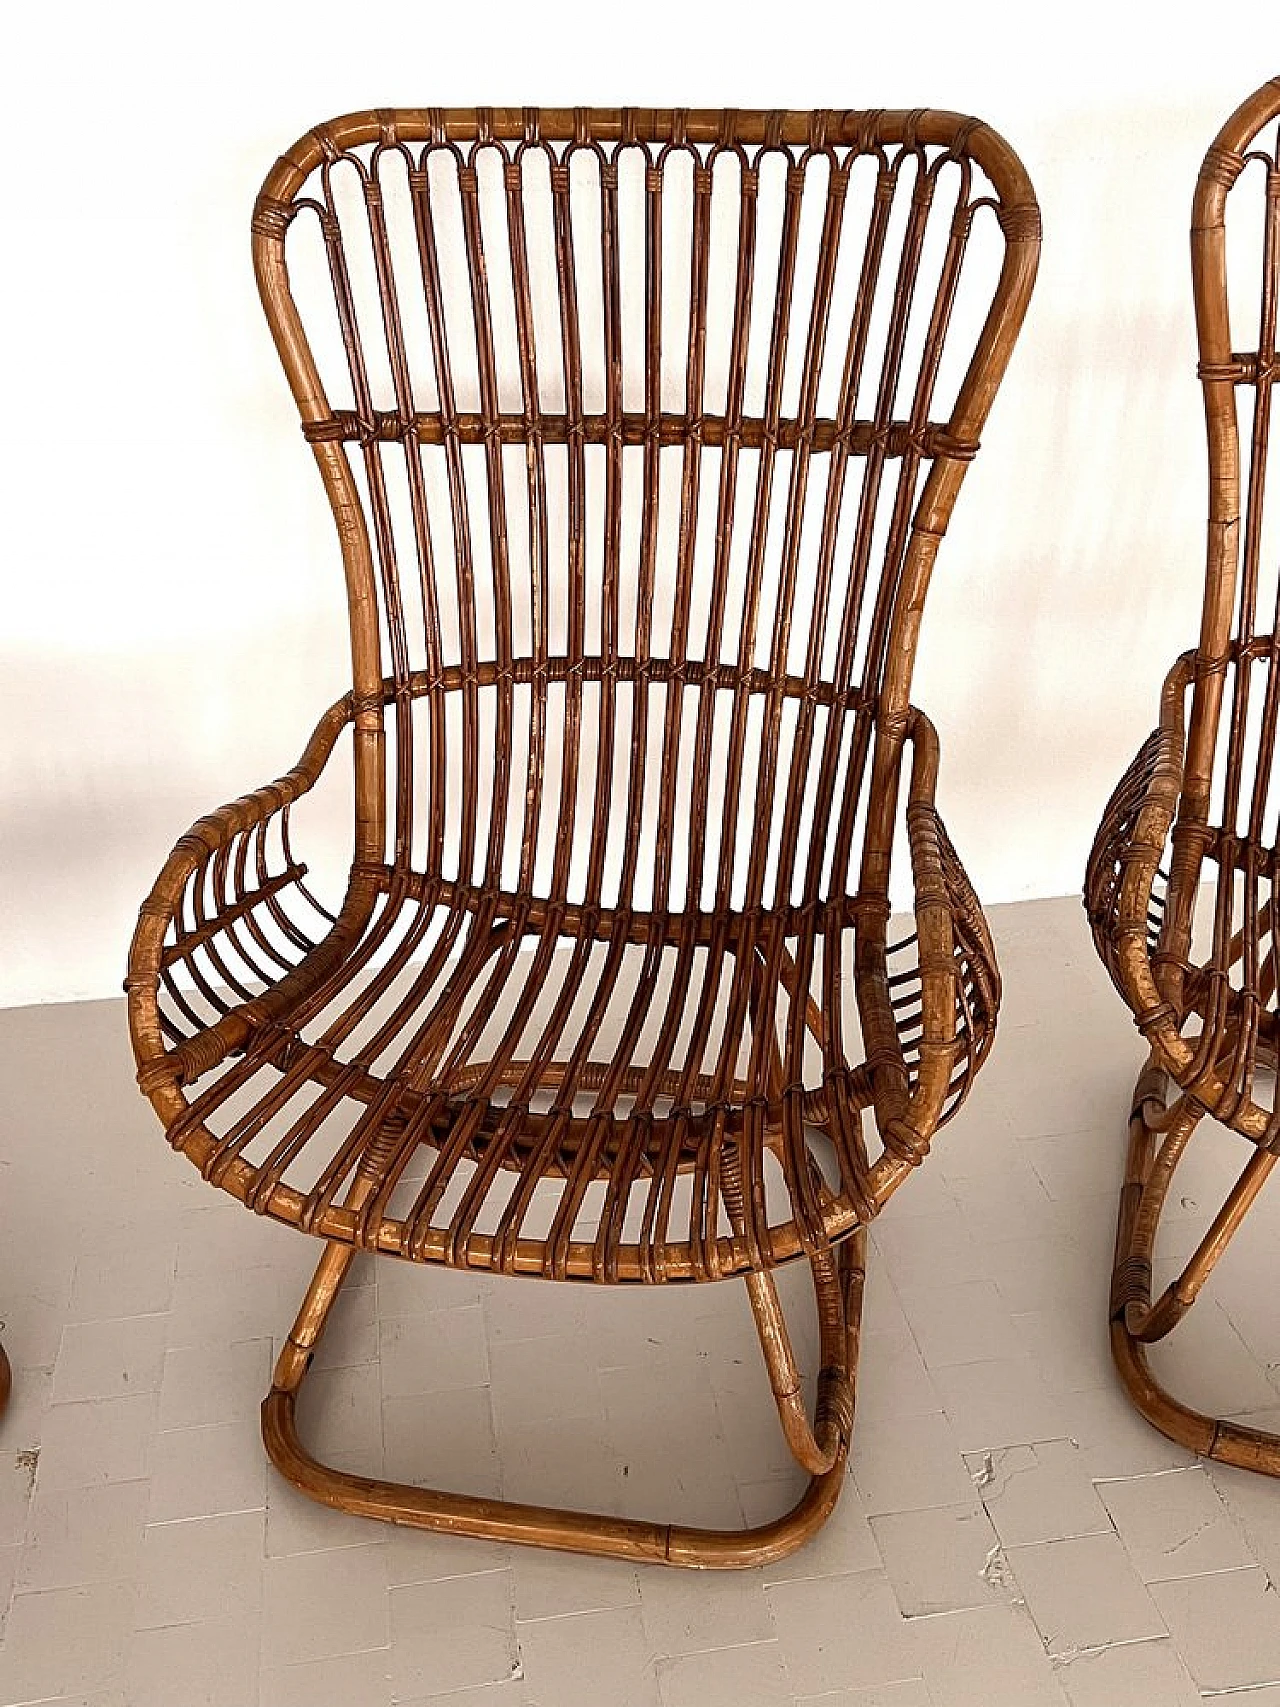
<point x="1196" y="807"/>
<point x="684" y="1099"/>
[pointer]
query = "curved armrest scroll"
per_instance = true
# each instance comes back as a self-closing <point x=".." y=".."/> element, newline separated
<point x="929" y="1026"/>
<point x="1123" y="909"/>
<point x="212" y="884"/>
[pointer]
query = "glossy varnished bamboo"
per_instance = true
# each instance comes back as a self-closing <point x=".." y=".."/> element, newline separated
<point x="1195" y="808"/>
<point x="641" y="430"/>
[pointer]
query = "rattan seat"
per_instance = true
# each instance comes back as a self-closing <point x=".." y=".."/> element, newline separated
<point x="383" y="1063"/>
<point x="1181" y="885"/>
<point x="641" y="430"/>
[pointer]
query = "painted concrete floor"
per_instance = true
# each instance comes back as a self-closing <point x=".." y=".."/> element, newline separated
<point x="1012" y="1531"/>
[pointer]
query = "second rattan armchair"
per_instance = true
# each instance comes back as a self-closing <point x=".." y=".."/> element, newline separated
<point x="1181" y="886"/>
<point x="641" y="430"/>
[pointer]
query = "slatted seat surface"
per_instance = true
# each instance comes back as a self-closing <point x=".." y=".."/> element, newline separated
<point x="567" y="1059"/>
<point x="641" y="430"/>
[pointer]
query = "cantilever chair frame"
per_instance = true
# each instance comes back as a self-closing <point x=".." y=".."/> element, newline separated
<point x="926" y="1030"/>
<point x="1147" y="863"/>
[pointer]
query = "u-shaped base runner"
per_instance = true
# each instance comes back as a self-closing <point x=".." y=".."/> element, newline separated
<point x="822" y="1449"/>
<point x="1159" y="1131"/>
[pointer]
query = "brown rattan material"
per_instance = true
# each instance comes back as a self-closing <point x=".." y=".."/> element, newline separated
<point x="1182" y="887"/>
<point x="641" y="430"/>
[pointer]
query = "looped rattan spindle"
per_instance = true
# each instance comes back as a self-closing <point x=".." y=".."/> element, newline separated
<point x="1181" y="888"/>
<point x="641" y="429"/>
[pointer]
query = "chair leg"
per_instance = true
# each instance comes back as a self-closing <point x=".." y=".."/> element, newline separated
<point x="1159" y="1132"/>
<point x="823" y="1449"/>
<point x="6" y="1381"/>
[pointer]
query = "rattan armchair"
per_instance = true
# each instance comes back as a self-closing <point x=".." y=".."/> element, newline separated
<point x="640" y="435"/>
<point x="1181" y="888"/>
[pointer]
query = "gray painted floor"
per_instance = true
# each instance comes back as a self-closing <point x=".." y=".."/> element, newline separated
<point x="1012" y="1531"/>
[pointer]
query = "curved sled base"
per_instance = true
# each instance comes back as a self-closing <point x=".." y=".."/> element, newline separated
<point x="822" y="1448"/>
<point x="1159" y="1132"/>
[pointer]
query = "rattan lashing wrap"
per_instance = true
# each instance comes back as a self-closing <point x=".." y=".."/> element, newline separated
<point x="631" y="426"/>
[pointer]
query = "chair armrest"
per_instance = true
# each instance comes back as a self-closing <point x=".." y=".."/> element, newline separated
<point x="928" y="1003"/>
<point x="1123" y="909"/>
<point x="215" y="949"/>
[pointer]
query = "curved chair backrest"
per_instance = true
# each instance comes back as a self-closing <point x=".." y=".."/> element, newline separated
<point x="640" y="437"/>
<point x="1227" y="807"/>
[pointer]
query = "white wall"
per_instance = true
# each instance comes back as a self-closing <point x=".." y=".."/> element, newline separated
<point x="173" y="620"/>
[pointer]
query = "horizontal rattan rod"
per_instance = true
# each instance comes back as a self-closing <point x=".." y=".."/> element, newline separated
<point x="695" y="1108"/>
<point x="690" y="1101"/>
<point x="695" y="1093"/>
<point x="229" y="914"/>
<point x="623" y="667"/>
<point x="895" y="438"/>
<point x="864" y="129"/>
<point x="695" y="928"/>
<point x="780" y="1245"/>
<point x="544" y="1526"/>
